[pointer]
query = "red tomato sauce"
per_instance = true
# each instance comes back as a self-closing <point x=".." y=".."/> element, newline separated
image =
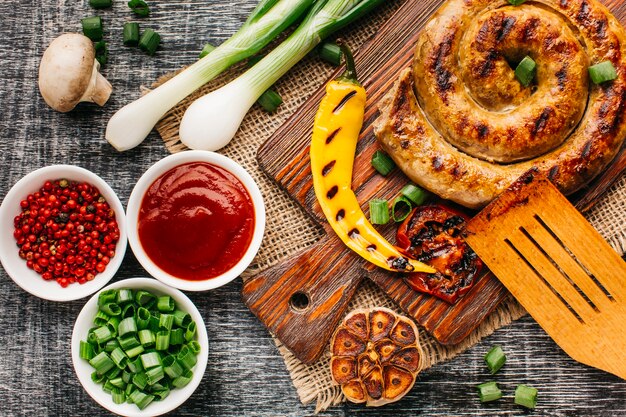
<point x="196" y="221"/>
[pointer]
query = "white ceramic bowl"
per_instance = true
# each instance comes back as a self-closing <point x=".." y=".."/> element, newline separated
<point x="28" y="279"/>
<point x="160" y="168"/>
<point x="83" y="369"/>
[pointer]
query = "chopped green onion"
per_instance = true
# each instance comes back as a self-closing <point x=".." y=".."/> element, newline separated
<point x="127" y="326"/>
<point x="112" y="324"/>
<point x="414" y="193"/>
<point x="181" y="319"/>
<point x="139" y="7"/>
<point x="97" y="378"/>
<point x="129" y="390"/>
<point x="128" y="311"/>
<point x="130" y="34"/>
<point x="379" y="211"/>
<point x="400" y="209"/>
<point x="91" y="336"/>
<point x="191" y="331"/>
<point x="113" y="373"/>
<point x="150" y="359"/>
<point x="206" y="49"/>
<point x="331" y="53"/>
<point x="107" y="296"/>
<point x="111" y="345"/>
<point x="382" y="163"/>
<point x="135" y="366"/>
<point x="141" y="399"/>
<point x="101" y="318"/>
<point x="140" y="380"/>
<point x="162" y="393"/>
<point x="177" y="336"/>
<point x="118" y="382"/>
<point x="126" y="377"/>
<point x="100" y="4"/>
<point x="489" y="391"/>
<point x="186" y="357"/>
<point x="172" y="367"/>
<point x="194" y="346"/>
<point x="143" y="318"/>
<point x="132" y="352"/>
<point x="154" y="375"/>
<point x="602" y="72"/>
<point x="526" y="396"/>
<point x="103" y="334"/>
<point x="119" y="357"/>
<point x="118" y="396"/>
<point x="162" y="340"/>
<point x="144" y="298"/>
<point x="166" y="321"/>
<point x="102" y="363"/>
<point x="92" y="27"/>
<point x="183" y="380"/>
<point x="102" y="52"/>
<point x="525" y="71"/>
<point x="270" y="100"/>
<point x="86" y="350"/>
<point x="108" y="387"/>
<point x="494" y="359"/>
<point x="128" y="342"/>
<point x="146" y="337"/>
<point x="166" y="304"/>
<point x="516" y="2"/>
<point x="112" y="309"/>
<point x="149" y="41"/>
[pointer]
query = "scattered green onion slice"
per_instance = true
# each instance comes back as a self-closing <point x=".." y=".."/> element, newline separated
<point x="525" y="71"/>
<point x="379" y="211"/>
<point x="489" y="391"/>
<point x="150" y="359"/>
<point x="127" y="326"/>
<point x="119" y="357"/>
<point x="144" y="298"/>
<point x="401" y="208"/>
<point x="414" y="193"/>
<point x="111" y="345"/>
<point x="172" y="367"/>
<point x="128" y="342"/>
<point x="124" y="295"/>
<point x="183" y="380"/>
<point x="146" y="338"/>
<point x="206" y="49"/>
<point x="526" y="396"/>
<point x="270" y="100"/>
<point x="382" y="163"/>
<point x="86" y="350"/>
<point x="165" y="304"/>
<point x="149" y="41"/>
<point x="103" y="334"/>
<point x="118" y="396"/>
<point x="181" y="319"/>
<point x="602" y="72"/>
<point x="137" y="350"/>
<point x="92" y="27"/>
<point x="139" y="7"/>
<point x="331" y="53"/>
<point x="516" y="2"/>
<point x="162" y="340"/>
<point x="100" y="4"/>
<point x="191" y="331"/>
<point x="130" y="34"/>
<point x="141" y="399"/>
<point x="177" y="337"/>
<point x="102" y="363"/>
<point x="494" y="359"/>
<point x="186" y="357"/>
<point x="112" y="309"/>
<point x="166" y="321"/>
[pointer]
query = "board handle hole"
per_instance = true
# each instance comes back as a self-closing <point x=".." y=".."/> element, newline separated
<point x="299" y="301"/>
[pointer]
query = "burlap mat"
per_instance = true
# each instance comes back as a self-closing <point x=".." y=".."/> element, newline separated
<point x="290" y="230"/>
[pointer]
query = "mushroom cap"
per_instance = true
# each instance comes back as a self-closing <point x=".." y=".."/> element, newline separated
<point x="66" y="71"/>
<point x="375" y="356"/>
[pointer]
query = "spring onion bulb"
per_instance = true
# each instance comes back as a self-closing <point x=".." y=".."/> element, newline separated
<point x="130" y="125"/>
<point x="212" y="120"/>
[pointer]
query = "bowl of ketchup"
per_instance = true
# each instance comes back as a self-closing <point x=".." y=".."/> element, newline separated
<point x="195" y="220"/>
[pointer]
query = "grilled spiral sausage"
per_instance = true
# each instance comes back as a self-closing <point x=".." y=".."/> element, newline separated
<point x="460" y="124"/>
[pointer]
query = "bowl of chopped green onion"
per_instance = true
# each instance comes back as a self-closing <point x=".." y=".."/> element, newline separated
<point x="139" y="347"/>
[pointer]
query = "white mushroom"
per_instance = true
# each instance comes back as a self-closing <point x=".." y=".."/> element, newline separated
<point x="68" y="74"/>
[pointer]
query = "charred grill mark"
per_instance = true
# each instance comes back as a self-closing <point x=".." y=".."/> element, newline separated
<point x="420" y="129"/>
<point x="564" y="3"/>
<point x="442" y="75"/>
<point x="586" y="150"/>
<point x="340" y="215"/>
<point x="583" y="13"/>
<point x="561" y="77"/>
<point x="542" y="121"/>
<point x="553" y="172"/>
<point x="482" y="130"/>
<point x="505" y="29"/>
<point x="353" y="233"/>
<point x="404" y="144"/>
<point x="400" y="263"/>
<point x="601" y="24"/>
<point x="456" y="172"/>
<point x="612" y="111"/>
<point x="332" y="192"/>
<point x="437" y="163"/>
<point x="510" y="134"/>
<point x="332" y="135"/>
<point x="462" y="124"/>
<point x="328" y="167"/>
<point x="489" y="63"/>
<point x="529" y="30"/>
<point x="344" y="101"/>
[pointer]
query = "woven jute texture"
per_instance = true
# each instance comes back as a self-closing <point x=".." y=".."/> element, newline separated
<point x="289" y="229"/>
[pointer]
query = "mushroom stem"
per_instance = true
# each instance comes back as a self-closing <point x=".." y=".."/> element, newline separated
<point x="99" y="88"/>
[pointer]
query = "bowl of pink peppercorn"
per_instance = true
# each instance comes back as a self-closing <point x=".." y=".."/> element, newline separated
<point x="63" y="233"/>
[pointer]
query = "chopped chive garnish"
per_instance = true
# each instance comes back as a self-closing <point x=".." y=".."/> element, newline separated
<point x="489" y="391"/>
<point x="206" y="49"/>
<point x="270" y="100"/>
<point x="414" y="193"/>
<point x="516" y="2"/>
<point x="149" y="41"/>
<point x="92" y="27"/>
<point x="131" y="34"/>
<point x="602" y="72"/>
<point x="382" y="163"/>
<point x="139" y="7"/>
<point x="379" y="211"/>
<point x="331" y="53"/>
<point x="494" y="359"/>
<point x="100" y="4"/>
<point x="526" y="396"/>
<point x="525" y="71"/>
<point x="400" y="209"/>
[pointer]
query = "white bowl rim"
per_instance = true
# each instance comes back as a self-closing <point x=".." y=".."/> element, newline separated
<point x="29" y="280"/>
<point x="161" y="167"/>
<point x="177" y="396"/>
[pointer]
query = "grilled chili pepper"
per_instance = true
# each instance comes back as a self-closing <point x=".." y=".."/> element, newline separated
<point x="333" y="145"/>
<point x="433" y="234"/>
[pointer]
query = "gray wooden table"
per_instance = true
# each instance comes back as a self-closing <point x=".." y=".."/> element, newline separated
<point x="245" y="374"/>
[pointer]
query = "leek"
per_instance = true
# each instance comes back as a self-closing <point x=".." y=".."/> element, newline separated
<point x="130" y="125"/>
<point x="212" y="120"/>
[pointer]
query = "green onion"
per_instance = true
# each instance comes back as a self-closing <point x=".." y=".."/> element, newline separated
<point x="150" y="359"/>
<point x="140" y="380"/>
<point x="135" y="366"/>
<point x="130" y="34"/>
<point x="331" y="53"/>
<point x="166" y="321"/>
<point x="177" y="337"/>
<point x="97" y="378"/>
<point x="86" y="350"/>
<point x="181" y="319"/>
<point x="194" y="346"/>
<point x="400" y="209"/>
<point x="132" y="352"/>
<point x="100" y="4"/>
<point x="112" y="309"/>
<point x="129" y="390"/>
<point x="415" y="194"/>
<point x="108" y="387"/>
<point x="186" y="357"/>
<point x="101" y="318"/>
<point x="206" y="49"/>
<point x="270" y="100"/>
<point x="126" y="377"/>
<point x="526" y="396"/>
<point x="191" y="331"/>
<point x="102" y="363"/>
<point x="118" y="382"/>
<point x="127" y="326"/>
<point x="118" y="396"/>
<point x="139" y="7"/>
<point x="525" y="71"/>
<point x="106" y="297"/>
<point x="489" y="391"/>
<point x="119" y="357"/>
<point x="183" y="380"/>
<point x="494" y="359"/>
<point x="113" y="373"/>
<point x="154" y="375"/>
<point x="128" y="342"/>
<point x="516" y="2"/>
<point x="141" y="399"/>
<point x="166" y="304"/>
<point x="143" y="318"/>
<point x="149" y="41"/>
<point x="602" y="72"/>
<point x="172" y="367"/>
<point x="92" y="27"/>
<point x="161" y="394"/>
<point x="112" y="324"/>
<point x="379" y="211"/>
<point x="146" y="337"/>
<point x="128" y="311"/>
<point x="144" y="298"/>
<point x="382" y="163"/>
<point x="103" y="334"/>
<point x="162" y="340"/>
<point x="102" y="52"/>
<point x="111" y="345"/>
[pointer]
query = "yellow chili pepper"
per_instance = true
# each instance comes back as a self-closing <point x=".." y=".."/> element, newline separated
<point x="333" y="145"/>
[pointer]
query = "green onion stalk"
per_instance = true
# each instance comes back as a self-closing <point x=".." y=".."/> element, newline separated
<point x="130" y="125"/>
<point x="212" y="120"/>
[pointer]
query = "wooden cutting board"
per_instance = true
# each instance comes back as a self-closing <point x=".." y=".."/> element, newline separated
<point x="302" y="299"/>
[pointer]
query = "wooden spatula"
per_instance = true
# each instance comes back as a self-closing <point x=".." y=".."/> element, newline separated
<point x="559" y="268"/>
